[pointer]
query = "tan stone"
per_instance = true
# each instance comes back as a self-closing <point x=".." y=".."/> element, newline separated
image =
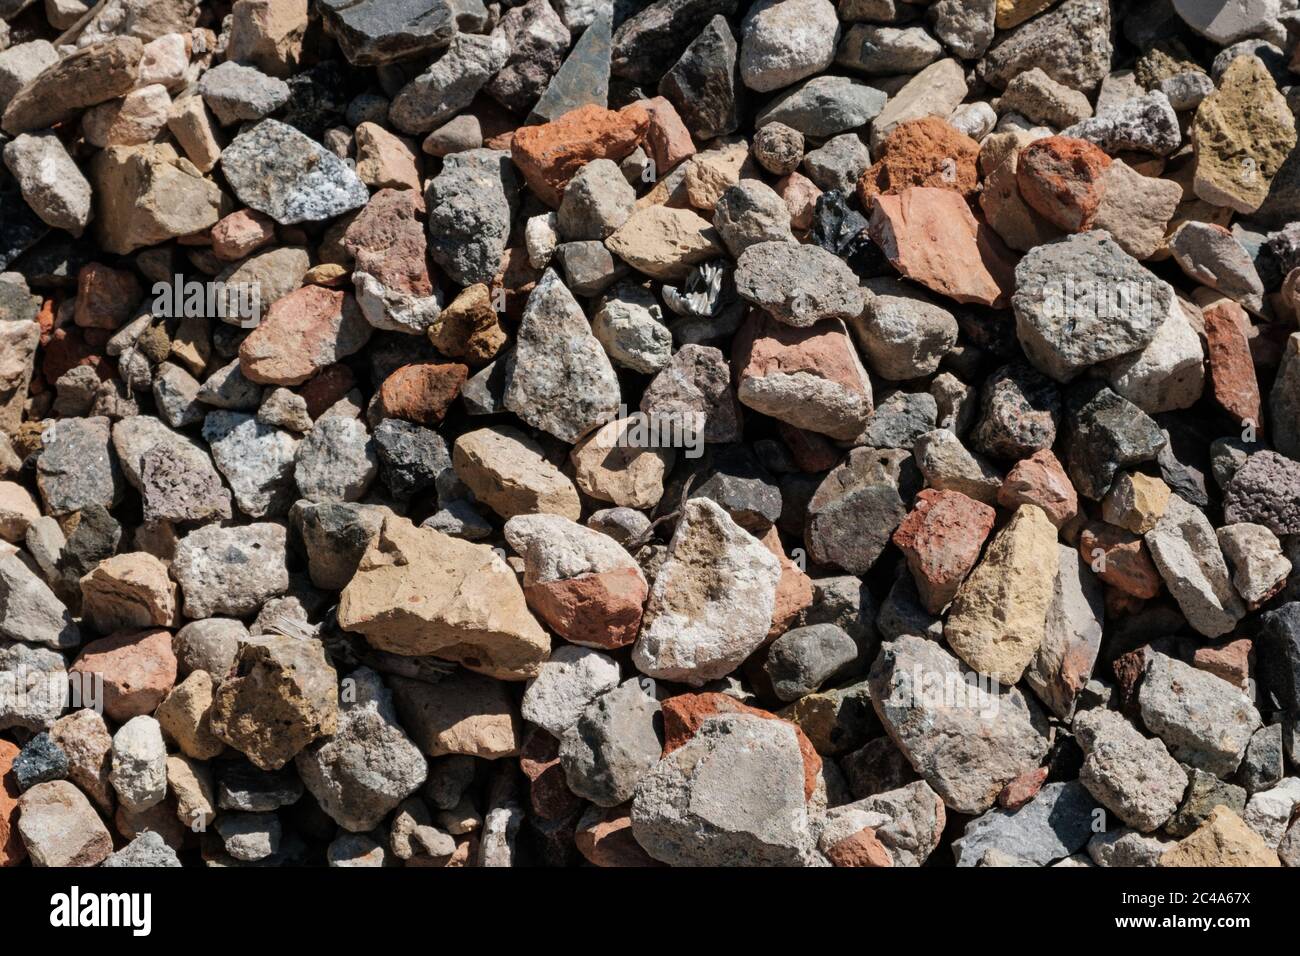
<point x="418" y="591"/>
<point x="608" y="465"/>
<point x="268" y="34"/>
<point x="190" y="782"/>
<point x="507" y="472"/>
<point x="60" y="827"/>
<point x="464" y="713"/>
<point x="1242" y="133"/>
<point x="145" y="195"/>
<point x="84" y="738"/>
<point x="469" y="328"/>
<point x="195" y="130"/>
<point x="1135" y="502"/>
<point x="1222" y="840"/>
<point x="1011" y="13"/>
<point x="999" y="615"/>
<point x="136" y="118"/>
<point x="385" y="161"/>
<point x="1136" y="209"/>
<point x="185" y="716"/>
<point x="283" y="695"/>
<point x="18" y="509"/>
<point x="665" y="243"/>
<point x="128" y="591"/>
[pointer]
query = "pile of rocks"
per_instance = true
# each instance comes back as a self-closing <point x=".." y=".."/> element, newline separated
<point x="682" y="432"/>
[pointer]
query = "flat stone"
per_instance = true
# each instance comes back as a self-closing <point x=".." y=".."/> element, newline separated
<point x="373" y="32"/>
<point x="90" y="75"/>
<point x="825" y="106"/>
<point x="419" y="592"/>
<point x="506" y="470"/>
<point x="855" y="510"/>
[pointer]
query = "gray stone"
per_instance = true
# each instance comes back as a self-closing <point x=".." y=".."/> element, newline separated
<point x="784" y="41"/>
<point x="249" y="837"/>
<point x="279" y="171"/>
<point x="965" y="26"/>
<point x="879" y="50"/>
<point x="629" y="324"/>
<point x="903" y="334"/>
<point x="50" y="181"/>
<point x="1147" y="124"/>
<point x="139" y="774"/>
<point x="825" y="106"/>
<point x="336" y="461"/>
<point x="565" y="685"/>
<point x="1082" y="300"/>
<point x="1205" y="791"/>
<point x="612" y="745"/>
<point x="733" y="795"/>
<point x="369" y="765"/>
<point x="749" y="213"/>
<point x="230" y="571"/>
<point x="373" y="32"/>
<point x="838" y="164"/>
<point x="1186" y="552"/>
<point x="966" y="736"/>
<point x="803" y="658"/>
<point x="1127" y="848"/>
<point x="236" y="93"/>
<point x="1063" y="663"/>
<point x="1070" y="43"/>
<point x="148" y="850"/>
<point x="30" y="611"/>
<point x="948" y="466"/>
<point x="696" y="383"/>
<point x="256" y="459"/>
<point x="34" y="691"/>
<point x="583" y="78"/>
<point x="597" y="200"/>
<point x="1051" y="826"/>
<point x="471" y="206"/>
<point x="899" y="420"/>
<point x="703" y="83"/>
<point x="855" y="510"/>
<point x="559" y="378"/>
<point x="1212" y="256"/>
<point x="1203" y="720"/>
<point x="1132" y="776"/>
<point x="449" y="84"/>
<point x="798" y="285"/>
<point x="1264" y="764"/>
<point x="537" y="40"/>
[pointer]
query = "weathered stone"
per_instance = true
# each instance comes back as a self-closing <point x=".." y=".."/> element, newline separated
<point x="506" y="470"/>
<point x="1131" y="775"/>
<point x="230" y="571"/>
<point x="1186" y="552"/>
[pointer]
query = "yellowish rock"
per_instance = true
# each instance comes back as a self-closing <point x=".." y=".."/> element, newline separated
<point x="418" y="591"/>
<point x="507" y="472"/>
<point x="1222" y="840"/>
<point x="190" y="781"/>
<point x="1012" y="13"/>
<point x="1242" y="133"/>
<point x="999" y="615"/>
<point x="1135" y="502"/>
<point x="185" y="716"/>
<point x="665" y="243"/>
<point x="128" y="592"/>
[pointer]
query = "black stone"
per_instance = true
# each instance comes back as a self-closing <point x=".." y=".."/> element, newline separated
<point x="410" y="456"/>
<point x="1108" y="433"/>
<point x="1020" y="408"/>
<point x="1277" y="649"/>
<point x="704" y="84"/>
<point x="40" y="761"/>
<point x="370" y="32"/>
<point x="241" y="786"/>
<point x="733" y="477"/>
<point x="318" y="98"/>
<point x="20" y="228"/>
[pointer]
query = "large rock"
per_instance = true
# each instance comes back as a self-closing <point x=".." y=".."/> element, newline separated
<point x="148" y="194"/>
<point x="581" y="583"/>
<point x="1071" y="44"/>
<point x="711" y="603"/>
<point x="59" y="827"/>
<point x="967" y="737"/>
<point x="374" y="32"/>
<point x="1186" y="552"/>
<point x="1203" y="720"/>
<point x="559" y="378"/>
<point x="856" y="508"/>
<point x="1051" y="826"/>
<point x="471" y="204"/>
<point x="613" y="743"/>
<point x="506" y="470"/>
<point x="733" y="795"/>
<point x="30" y="611"/>
<point x="91" y="75"/>
<point x="282" y="695"/>
<point x="231" y="571"/>
<point x="285" y="174"/>
<point x="419" y="592"/>
<point x="1132" y="776"/>
<point x="369" y="765"/>
<point x="999" y="616"/>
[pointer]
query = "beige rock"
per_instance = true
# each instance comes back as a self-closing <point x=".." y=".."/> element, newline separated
<point x="135" y="119"/>
<point x="464" y="713"/>
<point x="128" y="592"/>
<point x="94" y="74"/>
<point x="165" y="60"/>
<point x="711" y="173"/>
<point x="190" y="782"/>
<point x="1135" y="502"/>
<point x="665" y="243"/>
<point x="268" y="34"/>
<point x="1006" y="211"/>
<point x="418" y="591"/>
<point x="146" y="195"/>
<point x="60" y="827"/>
<point x="1011" y="13"/>
<point x="616" y="464"/>
<point x="999" y="615"/>
<point x="282" y="696"/>
<point x="935" y="91"/>
<point x="18" y="509"/>
<point x="195" y="128"/>
<point x="185" y="716"/>
<point x="1136" y="209"/>
<point x="385" y="161"/>
<point x="1242" y="133"/>
<point x="1222" y="840"/>
<point x="84" y="738"/>
<point x="507" y="471"/>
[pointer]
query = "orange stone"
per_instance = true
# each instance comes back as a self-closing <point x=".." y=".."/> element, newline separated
<point x="941" y="538"/>
<point x="138" y="669"/>
<point x="1231" y="368"/>
<point x="549" y="155"/>
<point x="305" y="331"/>
<point x="1061" y="178"/>
<point x="932" y="237"/>
<point x="596" y="610"/>
<point x="1022" y="789"/>
<point x="1120" y="559"/>
<point x="1231" y="661"/>
<point x="667" y="140"/>
<point x="861" y="849"/>
<point x="12" y="850"/>
<point x="1041" y="480"/>
<point x="608" y="841"/>
<point x="422" y="393"/>
<point x="922" y="152"/>
<point x="794" y="589"/>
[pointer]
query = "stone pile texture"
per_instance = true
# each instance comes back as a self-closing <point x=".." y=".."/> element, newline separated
<point x="655" y="432"/>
